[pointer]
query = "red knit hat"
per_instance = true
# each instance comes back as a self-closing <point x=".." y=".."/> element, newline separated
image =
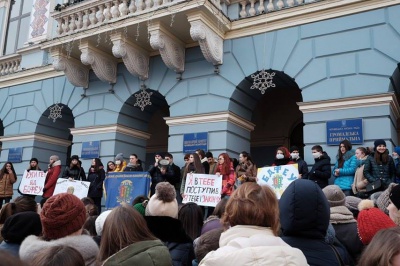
<point x="370" y="220"/>
<point x="62" y="215"/>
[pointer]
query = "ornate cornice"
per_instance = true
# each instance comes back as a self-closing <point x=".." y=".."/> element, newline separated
<point x="103" y="64"/>
<point x="115" y="128"/>
<point x="36" y="137"/>
<point x="172" y="50"/>
<point x="135" y="58"/>
<point x="210" y="118"/>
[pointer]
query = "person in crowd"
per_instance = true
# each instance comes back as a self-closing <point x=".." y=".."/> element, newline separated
<point x="126" y="240"/>
<point x="162" y="220"/>
<point x="178" y="186"/>
<point x="252" y="221"/>
<point x="139" y="199"/>
<point x="53" y="171"/>
<point x="384" y="249"/>
<point x="87" y="200"/>
<point x="370" y="220"/>
<point x="33" y="165"/>
<point x="74" y="171"/>
<point x="383" y="201"/>
<point x="58" y="255"/>
<point x="351" y="203"/>
<point x="246" y="171"/>
<point x="206" y="243"/>
<point x="396" y="160"/>
<point x="141" y="207"/>
<point x="99" y="224"/>
<point x="134" y="164"/>
<point x="91" y="209"/>
<point x="96" y="178"/>
<point x="394" y="204"/>
<point x="191" y="216"/>
<point x="214" y="220"/>
<point x="211" y="162"/>
<point x="343" y="221"/>
<point x="225" y="168"/>
<point x="304" y="215"/>
<point x="62" y="216"/>
<point x="90" y="226"/>
<point x="120" y="163"/>
<point x="204" y="160"/>
<point x="193" y="166"/>
<point x="296" y="159"/>
<point x="7" y="178"/>
<point x="110" y="166"/>
<point x="345" y="167"/>
<point x="321" y="170"/>
<point x="173" y="173"/>
<point x="17" y="227"/>
<point x="155" y="172"/>
<point x="358" y="186"/>
<point x="282" y="156"/>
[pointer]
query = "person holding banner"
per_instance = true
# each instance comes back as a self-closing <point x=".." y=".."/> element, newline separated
<point x="282" y="157"/>
<point x="193" y="166"/>
<point x="7" y="178"/>
<point x="34" y="165"/>
<point x="53" y="172"/>
<point x="225" y="168"/>
<point x="96" y="178"/>
<point x="74" y="171"/>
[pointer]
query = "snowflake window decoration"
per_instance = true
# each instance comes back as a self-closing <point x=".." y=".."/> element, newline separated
<point x="143" y="98"/>
<point x="55" y="112"/>
<point x="263" y="80"/>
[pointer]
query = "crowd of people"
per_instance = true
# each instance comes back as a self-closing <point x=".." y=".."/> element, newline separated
<point x="353" y="221"/>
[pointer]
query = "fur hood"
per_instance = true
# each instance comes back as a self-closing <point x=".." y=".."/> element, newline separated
<point x="58" y="162"/>
<point x="83" y="243"/>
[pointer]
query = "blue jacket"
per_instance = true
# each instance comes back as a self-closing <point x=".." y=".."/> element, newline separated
<point x="346" y="173"/>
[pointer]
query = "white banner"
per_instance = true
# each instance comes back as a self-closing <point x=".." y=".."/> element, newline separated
<point x="202" y="189"/>
<point x="278" y="177"/>
<point x="75" y="187"/>
<point x="32" y="182"/>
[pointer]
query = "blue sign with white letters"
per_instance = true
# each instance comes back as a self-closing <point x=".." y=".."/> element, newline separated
<point x="90" y="150"/>
<point x="15" y="155"/>
<point x="195" y="141"/>
<point x="339" y="130"/>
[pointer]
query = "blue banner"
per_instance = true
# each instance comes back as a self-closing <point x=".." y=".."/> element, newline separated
<point x="15" y="155"/>
<point x="337" y="131"/>
<point x="125" y="186"/>
<point x="90" y="150"/>
<point x="195" y="141"/>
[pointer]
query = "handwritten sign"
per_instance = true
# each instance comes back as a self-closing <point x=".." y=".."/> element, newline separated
<point x="278" y="177"/>
<point x="205" y="190"/>
<point x="76" y="187"/>
<point x="32" y="182"/>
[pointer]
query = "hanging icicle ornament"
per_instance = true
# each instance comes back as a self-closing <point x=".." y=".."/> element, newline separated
<point x="263" y="80"/>
<point x="143" y="98"/>
<point x="55" y="112"/>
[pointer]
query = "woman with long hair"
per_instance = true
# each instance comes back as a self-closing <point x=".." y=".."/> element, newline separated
<point x="110" y="166"/>
<point x="225" y="168"/>
<point x="191" y="216"/>
<point x="7" y="178"/>
<point x="359" y="185"/>
<point x="194" y="165"/>
<point x="246" y="170"/>
<point x="282" y="156"/>
<point x="74" y="171"/>
<point x="345" y="167"/>
<point x="126" y="240"/>
<point x="96" y="178"/>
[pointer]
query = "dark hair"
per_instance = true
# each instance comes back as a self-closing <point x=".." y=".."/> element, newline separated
<point x="246" y="155"/>
<point x="196" y="163"/>
<point x="201" y="153"/>
<point x="87" y="200"/>
<point x="207" y="242"/>
<point x="366" y="151"/>
<point x="20" y="204"/>
<point x="91" y="209"/>
<point x="186" y="157"/>
<point x="3" y="170"/>
<point x="317" y="148"/>
<point x="209" y="155"/>
<point x="108" y="168"/>
<point x="191" y="216"/>
<point x="123" y="227"/>
<point x="220" y="208"/>
<point x="167" y="154"/>
<point x="97" y="164"/>
<point x="58" y="255"/>
<point x="90" y="225"/>
<point x="348" y="147"/>
<point x="139" y="199"/>
<point x="382" y="158"/>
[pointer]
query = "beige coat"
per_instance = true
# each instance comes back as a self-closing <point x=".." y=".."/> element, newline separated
<point x="6" y="185"/>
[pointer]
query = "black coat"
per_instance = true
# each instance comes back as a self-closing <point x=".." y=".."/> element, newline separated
<point x="133" y="168"/>
<point x="321" y="170"/>
<point x="96" y="180"/>
<point x="373" y="171"/>
<point x="170" y="231"/>
<point x="302" y="166"/>
<point x="77" y="173"/>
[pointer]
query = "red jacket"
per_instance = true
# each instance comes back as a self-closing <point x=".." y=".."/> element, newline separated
<point x="51" y="179"/>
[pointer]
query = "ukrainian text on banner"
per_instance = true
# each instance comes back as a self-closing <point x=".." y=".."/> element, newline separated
<point x="125" y="186"/>
<point x="74" y="187"/>
<point x="32" y="182"/>
<point x="204" y="190"/>
<point x="278" y="177"/>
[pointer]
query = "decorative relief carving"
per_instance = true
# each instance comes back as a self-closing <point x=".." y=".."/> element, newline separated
<point x="172" y="50"/>
<point x="103" y="65"/>
<point x="135" y="58"/>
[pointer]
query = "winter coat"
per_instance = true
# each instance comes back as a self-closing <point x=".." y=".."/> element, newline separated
<point x="321" y="170"/>
<point x="144" y="253"/>
<point x="302" y="167"/>
<point x="248" y="169"/>
<point x="374" y="171"/>
<point x="53" y="172"/>
<point x="133" y="168"/>
<point x="76" y="172"/>
<point x="252" y="245"/>
<point x="189" y="169"/>
<point x="96" y="180"/>
<point x="228" y="180"/>
<point x="304" y="216"/>
<point x="156" y="177"/>
<point x="346" y="174"/>
<point x="359" y="185"/>
<point x="82" y="243"/>
<point x="170" y="231"/>
<point x="6" y="185"/>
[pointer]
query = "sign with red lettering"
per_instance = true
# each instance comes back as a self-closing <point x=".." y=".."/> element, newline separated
<point x="32" y="182"/>
<point x="202" y="189"/>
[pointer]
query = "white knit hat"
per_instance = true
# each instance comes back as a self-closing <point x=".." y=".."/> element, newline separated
<point x="163" y="203"/>
<point x="99" y="223"/>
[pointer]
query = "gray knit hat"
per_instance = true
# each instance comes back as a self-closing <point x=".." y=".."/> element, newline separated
<point x="383" y="200"/>
<point x="334" y="195"/>
<point x="352" y="203"/>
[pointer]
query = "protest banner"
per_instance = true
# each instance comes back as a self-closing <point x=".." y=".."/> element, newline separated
<point x="125" y="186"/>
<point x="75" y="187"/>
<point x="202" y="189"/>
<point x="278" y="177"/>
<point x="32" y="183"/>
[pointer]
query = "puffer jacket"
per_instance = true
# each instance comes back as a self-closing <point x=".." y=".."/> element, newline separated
<point x="76" y="172"/>
<point x="321" y="170"/>
<point x="51" y="179"/>
<point x="6" y="185"/>
<point x="346" y="173"/>
<point x="374" y="171"/>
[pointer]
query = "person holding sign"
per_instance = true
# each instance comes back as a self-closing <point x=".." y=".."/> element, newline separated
<point x="193" y="166"/>
<point x="282" y="157"/>
<point x="96" y="178"/>
<point x="33" y="165"/>
<point x="53" y="172"/>
<point x="225" y="168"/>
<point x="74" y="171"/>
<point x="7" y="178"/>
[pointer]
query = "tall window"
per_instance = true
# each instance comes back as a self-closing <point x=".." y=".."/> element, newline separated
<point x="18" y="25"/>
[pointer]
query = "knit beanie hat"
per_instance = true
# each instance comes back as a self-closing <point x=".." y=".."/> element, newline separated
<point x="34" y="160"/>
<point x="352" y="202"/>
<point x="334" y="195"/>
<point x="75" y="157"/>
<point x="397" y="150"/>
<point x="383" y="200"/>
<point x="370" y="220"/>
<point x="18" y="226"/>
<point x="394" y="196"/>
<point x="141" y="207"/>
<point x="99" y="223"/>
<point x="62" y="215"/>
<point x="119" y="157"/>
<point x="379" y="142"/>
<point x="163" y="202"/>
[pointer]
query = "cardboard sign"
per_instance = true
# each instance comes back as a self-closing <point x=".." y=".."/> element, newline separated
<point x="278" y="177"/>
<point x="202" y="189"/>
<point x="76" y="187"/>
<point x="32" y="182"/>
